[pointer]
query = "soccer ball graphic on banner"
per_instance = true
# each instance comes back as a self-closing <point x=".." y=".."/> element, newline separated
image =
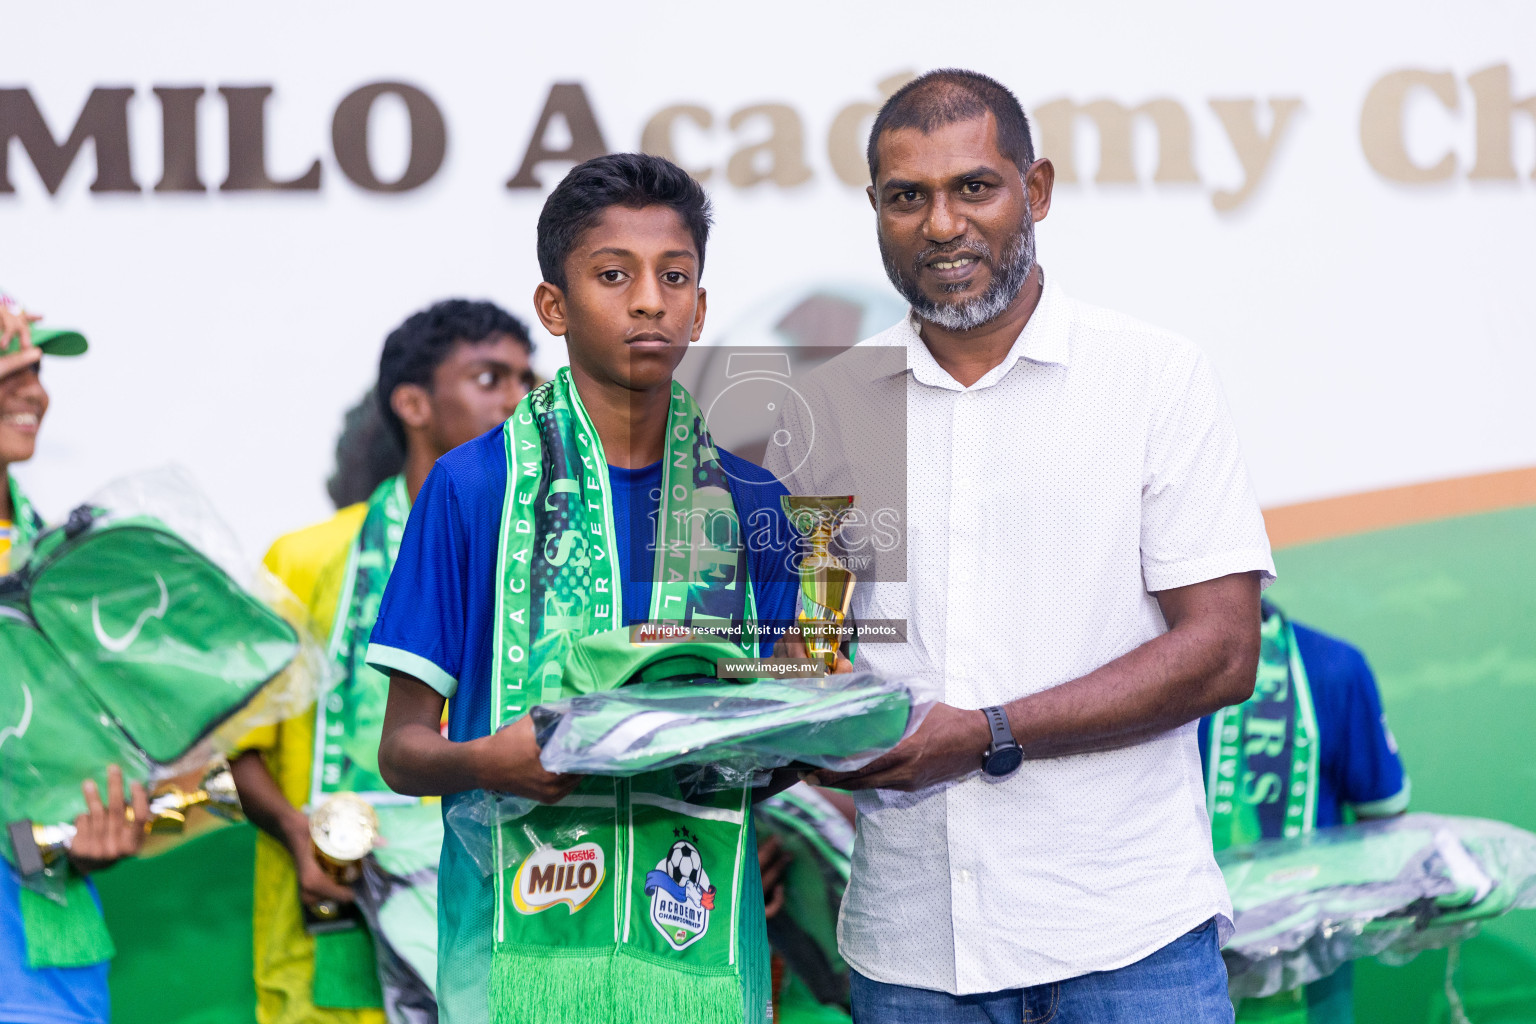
<point x="683" y="864"/>
<point x="681" y="896"/>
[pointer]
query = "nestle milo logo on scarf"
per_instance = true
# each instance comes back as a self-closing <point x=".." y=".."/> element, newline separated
<point x="681" y="896"/>
<point x="549" y="876"/>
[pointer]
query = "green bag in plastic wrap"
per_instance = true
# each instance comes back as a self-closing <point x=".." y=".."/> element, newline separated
<point x="164" y="638"/>
<point x="123" y="645"/>
<point x="819" y="842"/>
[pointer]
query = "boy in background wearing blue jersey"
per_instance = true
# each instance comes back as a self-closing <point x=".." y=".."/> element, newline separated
<point x="1318" y="689"/>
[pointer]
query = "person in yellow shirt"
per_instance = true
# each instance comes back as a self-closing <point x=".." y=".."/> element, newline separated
<point x="447" y="374"/>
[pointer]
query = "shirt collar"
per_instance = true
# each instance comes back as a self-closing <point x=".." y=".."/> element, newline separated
<point x="1044" y="339"/>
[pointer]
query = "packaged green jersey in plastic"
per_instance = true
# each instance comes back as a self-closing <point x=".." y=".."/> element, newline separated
<point x="840" y="722"/>
<point x="1305" y="906"/>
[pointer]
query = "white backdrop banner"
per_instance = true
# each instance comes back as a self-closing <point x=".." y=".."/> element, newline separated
<point x="237" y="203"/>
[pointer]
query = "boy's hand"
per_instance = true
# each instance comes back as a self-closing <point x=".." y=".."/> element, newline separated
<point x="509" y="763"/>
<point x="773" y="861"/>
<point x="315" y="886"/>
<point x="105" y="835"/>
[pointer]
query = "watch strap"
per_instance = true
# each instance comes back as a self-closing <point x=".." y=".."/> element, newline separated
<point x="997" y="721"/>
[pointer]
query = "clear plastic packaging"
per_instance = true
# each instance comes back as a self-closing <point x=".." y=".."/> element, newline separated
<point x="1304" y="907"/>
<point x="172" y="495"/>
<point x="397" y="895"/>
<point x="839" y="722"/>
<point x="475" y="818"/>
<point x="713" y="735"/>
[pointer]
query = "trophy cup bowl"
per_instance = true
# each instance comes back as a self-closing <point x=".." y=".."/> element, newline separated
<point x="39" y="846"/>
<point x="344" y="830"/>
<point x="826" y="585"/>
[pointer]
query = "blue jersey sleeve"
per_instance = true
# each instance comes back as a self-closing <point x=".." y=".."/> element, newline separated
<point x="1359" y="750"/>
<point x="422" y="619"/>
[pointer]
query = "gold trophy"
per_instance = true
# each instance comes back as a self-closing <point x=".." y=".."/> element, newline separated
<point x="826" y="585"/>
<point x="344" y="829"/>
<point x="39" y="847"/>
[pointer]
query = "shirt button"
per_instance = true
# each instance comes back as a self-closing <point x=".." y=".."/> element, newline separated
<point x="964" y="875"/>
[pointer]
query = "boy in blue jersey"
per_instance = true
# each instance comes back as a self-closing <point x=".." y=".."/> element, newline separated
<point x="621" y="247"/>
<point x="1314" y="686"/>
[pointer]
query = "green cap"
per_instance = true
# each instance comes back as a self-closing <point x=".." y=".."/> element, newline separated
<point x="54" y="341"/>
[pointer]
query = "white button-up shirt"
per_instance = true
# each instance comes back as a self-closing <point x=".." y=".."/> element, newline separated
<point x="1045" y="504"/>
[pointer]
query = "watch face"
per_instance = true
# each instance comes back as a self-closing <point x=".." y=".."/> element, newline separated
<point x="1004" y="761"/>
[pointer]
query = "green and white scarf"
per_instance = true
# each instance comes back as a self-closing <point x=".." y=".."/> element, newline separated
<point x="1262" y="781"/>
<point x="26" y="524"/>
<point x="632" y="900"/>
<point x="349" y="720"/>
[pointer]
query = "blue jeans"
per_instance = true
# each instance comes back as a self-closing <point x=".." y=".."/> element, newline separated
<point x="1185" y="982"/>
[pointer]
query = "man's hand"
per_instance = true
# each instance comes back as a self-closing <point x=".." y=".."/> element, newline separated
<point x="509" y="763"/>
<point x="105" y="835"/>
<point x="948" y="745"/>
<point x="773" y="861"/>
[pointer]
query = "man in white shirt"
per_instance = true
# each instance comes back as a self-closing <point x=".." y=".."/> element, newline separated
<point x="1083" y="559"/>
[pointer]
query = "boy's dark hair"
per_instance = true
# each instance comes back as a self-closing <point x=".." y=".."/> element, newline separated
<point x="415" y="349"/>
<point x="367" y="454"/>
<point x="635" y="180"/>
<point x="949" y="95"/>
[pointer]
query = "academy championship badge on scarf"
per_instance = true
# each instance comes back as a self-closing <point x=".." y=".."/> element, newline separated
<point x="349" y="720"/>
<point x="633" y="900"/>
<point x="1263" y="752"/>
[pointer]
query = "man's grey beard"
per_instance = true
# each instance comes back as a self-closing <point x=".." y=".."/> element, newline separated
<point x="1008" y="276"/>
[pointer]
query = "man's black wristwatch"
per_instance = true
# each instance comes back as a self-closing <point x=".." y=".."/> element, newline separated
<point x="1004" y="755"/>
